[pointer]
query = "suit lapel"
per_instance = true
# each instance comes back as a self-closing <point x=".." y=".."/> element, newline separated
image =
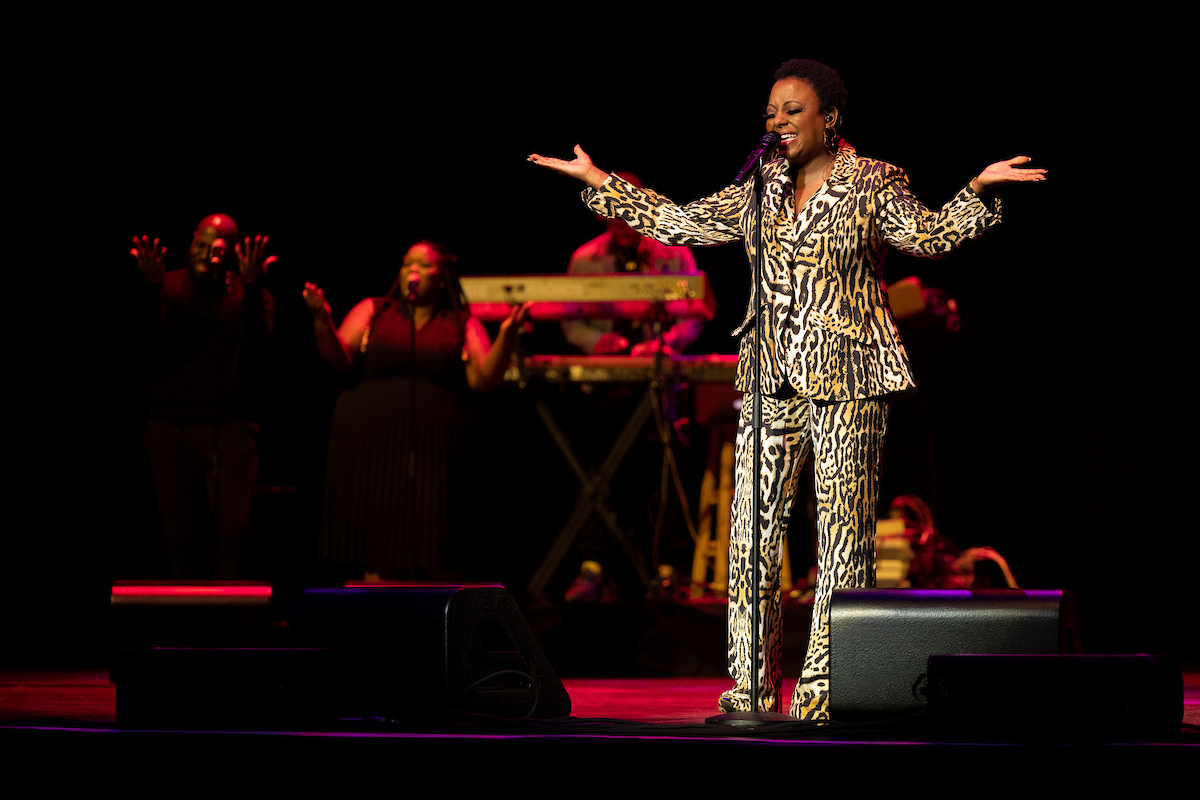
<point x="774" y="184"/>
<point x="816" y="215"/>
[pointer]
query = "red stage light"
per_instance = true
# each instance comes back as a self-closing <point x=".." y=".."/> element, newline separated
<point x="205" y="590"/>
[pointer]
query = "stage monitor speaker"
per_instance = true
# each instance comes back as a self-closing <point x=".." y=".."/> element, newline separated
<point x="422" y="649"/>
<point x="880" y="640"/>
<point x="189" y="614"/>
<point x="168" y="638"/>
<point x="1064" y="697"/>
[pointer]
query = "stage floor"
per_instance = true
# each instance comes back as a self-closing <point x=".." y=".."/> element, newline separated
<point x="59" y="728"/>
<point x="86" y="700"/>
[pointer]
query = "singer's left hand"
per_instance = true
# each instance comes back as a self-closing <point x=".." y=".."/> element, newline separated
<point x="1003" y="172"/>
<point x="517" y="320"/>
<point x="252" y="257"/>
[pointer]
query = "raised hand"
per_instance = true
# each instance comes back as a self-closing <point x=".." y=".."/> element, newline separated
<point x="515" y="322"/>
<point x="252" y="257"/>
<point x="149" y="257"/>
<point x="580" y="167"/>
<point x="314" y="296"/>
<point x="1003" y="172"/>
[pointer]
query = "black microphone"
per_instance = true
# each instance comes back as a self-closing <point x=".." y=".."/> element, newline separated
<point x="414" y="281"/>
<point x="769" y="142"/>
<point x="216" y="252"/>
<point x="220" y="272"/>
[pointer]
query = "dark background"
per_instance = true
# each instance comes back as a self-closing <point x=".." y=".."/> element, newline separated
<point x="1062" y="413"/>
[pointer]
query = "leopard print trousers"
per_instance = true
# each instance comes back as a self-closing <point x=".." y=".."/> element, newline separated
<point x="846" y="439"/>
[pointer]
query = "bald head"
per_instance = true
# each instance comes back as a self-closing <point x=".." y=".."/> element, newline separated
<point x="218" y="229"/>
<point x="223" y="224"/>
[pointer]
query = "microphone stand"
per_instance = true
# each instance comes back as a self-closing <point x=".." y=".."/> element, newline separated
<point x="222" y="285"/>
<point x="754" y="717"/>
<point x="412" y="408"/>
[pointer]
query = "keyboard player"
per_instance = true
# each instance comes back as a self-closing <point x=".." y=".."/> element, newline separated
<point x="622" y="249"/>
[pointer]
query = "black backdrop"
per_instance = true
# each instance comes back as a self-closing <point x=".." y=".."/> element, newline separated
<point x="1058" y="408"/>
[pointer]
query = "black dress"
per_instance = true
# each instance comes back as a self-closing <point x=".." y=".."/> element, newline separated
<point x="394" y="435"/>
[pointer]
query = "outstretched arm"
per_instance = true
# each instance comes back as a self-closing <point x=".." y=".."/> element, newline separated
<point x="580" y="167"/>
<point x="337" y="346"/>
<point x="486" y="360"/>
<point x="253" y="260"/>
<point x="148" y="319"/>
<point x="713" y="220"/>
<point x="258" y="304"/>
<point x="914" y="229"/>
<point x="149" y="256"/>
<point x="1003" y="172"/>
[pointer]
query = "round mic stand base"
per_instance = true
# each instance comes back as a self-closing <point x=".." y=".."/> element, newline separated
<point x="750" y="719"/>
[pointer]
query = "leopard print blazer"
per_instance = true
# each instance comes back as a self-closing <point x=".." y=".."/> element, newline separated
<point x="828" y="329"/>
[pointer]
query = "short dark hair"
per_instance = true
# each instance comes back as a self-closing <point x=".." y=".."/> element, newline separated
<point x="831" y="92"/>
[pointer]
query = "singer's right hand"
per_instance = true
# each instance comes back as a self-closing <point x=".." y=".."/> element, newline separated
<point x="149" y="257"/>
<point x="581" y="167"/>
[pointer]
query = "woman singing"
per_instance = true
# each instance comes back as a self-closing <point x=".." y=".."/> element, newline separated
<point x="410" y="355"/>
<point x="830" y="354"/>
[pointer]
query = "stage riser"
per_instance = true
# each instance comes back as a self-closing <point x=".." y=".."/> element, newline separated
<point x="412" y="652"/>
<point x="1056" y="698"/>
<point x="881" y="639"/>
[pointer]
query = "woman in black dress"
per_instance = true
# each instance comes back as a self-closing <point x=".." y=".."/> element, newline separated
<point x="409" y="356"/>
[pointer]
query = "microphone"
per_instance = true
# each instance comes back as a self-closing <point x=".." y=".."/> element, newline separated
<point x="414" y="280"/>
<point x="216" y="257"/>
<point x="769" y="142"/>
<point x="216" y="252"/>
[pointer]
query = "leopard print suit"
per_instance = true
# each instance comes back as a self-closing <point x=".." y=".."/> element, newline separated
<point x="830" y="354"/>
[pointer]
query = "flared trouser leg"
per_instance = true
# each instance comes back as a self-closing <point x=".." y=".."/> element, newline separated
<point x="847" y="443"/>
<point x="785" y="446"/>
<point x="846" y="440"/>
